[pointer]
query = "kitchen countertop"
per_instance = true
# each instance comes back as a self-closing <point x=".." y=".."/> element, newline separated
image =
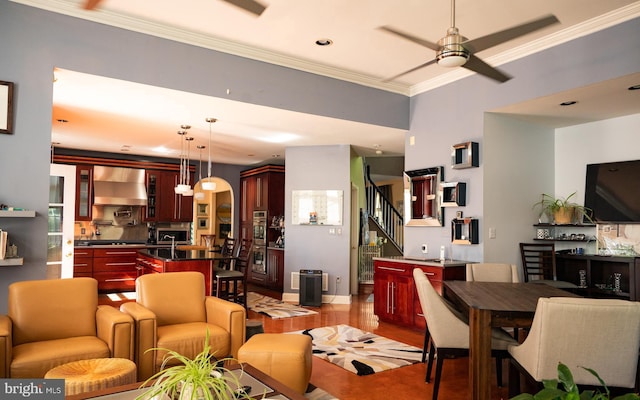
<point x="433" y="262"/>
<point x="164" y="254"/>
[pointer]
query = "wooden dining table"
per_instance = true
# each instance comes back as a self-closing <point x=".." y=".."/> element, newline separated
<point x="489" y="305"/>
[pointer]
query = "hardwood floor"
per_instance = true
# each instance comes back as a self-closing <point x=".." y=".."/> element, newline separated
<point x="400" y="383"/>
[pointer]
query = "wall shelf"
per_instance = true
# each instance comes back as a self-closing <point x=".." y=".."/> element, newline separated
<point x="13" y="261"/>
<point x="464" y="155"/>
<point x="464" y="231"/>
<point x="17" y="214"/>
<point x="454" y="194"/>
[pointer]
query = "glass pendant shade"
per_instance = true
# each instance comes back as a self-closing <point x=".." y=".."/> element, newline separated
<point x="209" y="185"/>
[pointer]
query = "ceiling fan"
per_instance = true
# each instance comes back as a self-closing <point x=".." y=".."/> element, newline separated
<point x="455" y="50"/>
<point x="251" y="6"/>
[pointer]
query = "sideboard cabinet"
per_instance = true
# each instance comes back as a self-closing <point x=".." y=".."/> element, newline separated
<point x="395" y="298"/>
<point x="601" y="273"/>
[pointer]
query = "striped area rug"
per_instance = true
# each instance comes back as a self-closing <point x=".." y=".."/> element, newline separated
<point x="360" y="352"/>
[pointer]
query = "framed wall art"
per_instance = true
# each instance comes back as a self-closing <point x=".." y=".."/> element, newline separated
<point x="6" y="107"/>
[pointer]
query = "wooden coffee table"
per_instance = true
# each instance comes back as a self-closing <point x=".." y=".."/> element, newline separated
<point x="261" y="384"/>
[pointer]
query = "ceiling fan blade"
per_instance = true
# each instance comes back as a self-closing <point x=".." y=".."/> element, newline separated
<point x="485" y="42"/>
<point x="411" y="70"/>
<point x="477" y="65"/>
<point x="252" y="6"/>
<point x="412" y="38"/>
<point x="91" y="4"/>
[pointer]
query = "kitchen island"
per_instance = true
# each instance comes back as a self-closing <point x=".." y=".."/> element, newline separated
<point x="153" y="261"/>
<point x="395" y="298"/>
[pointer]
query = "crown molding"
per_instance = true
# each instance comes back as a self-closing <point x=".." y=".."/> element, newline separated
<point x="72" y="8"/>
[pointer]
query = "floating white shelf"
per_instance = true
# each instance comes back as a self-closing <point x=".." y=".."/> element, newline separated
<point x="17" y="214"/>
<point x="7" y="262"/>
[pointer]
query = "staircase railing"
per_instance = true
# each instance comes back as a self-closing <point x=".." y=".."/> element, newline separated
<point x="383" y="213"/>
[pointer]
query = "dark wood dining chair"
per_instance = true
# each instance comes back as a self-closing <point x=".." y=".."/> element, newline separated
<point x="231" y="284"/>
<point x="539" y="265"/>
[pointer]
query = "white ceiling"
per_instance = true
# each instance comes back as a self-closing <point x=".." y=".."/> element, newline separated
<point x="285" y="34"/>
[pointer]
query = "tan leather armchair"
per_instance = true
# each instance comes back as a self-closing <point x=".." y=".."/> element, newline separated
<point x="56" y="321"/>
<point x="172" y="312"/>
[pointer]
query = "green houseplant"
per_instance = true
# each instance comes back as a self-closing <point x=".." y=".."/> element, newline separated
<point x="200" y="378"/>
<point x="568" y="390"/>
<point x="562" y="210"/>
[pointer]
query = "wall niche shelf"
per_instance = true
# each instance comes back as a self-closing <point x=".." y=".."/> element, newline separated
<point x="464" y="155"/>
<point x="464" y="231"/>
<point x="454" y="194"/>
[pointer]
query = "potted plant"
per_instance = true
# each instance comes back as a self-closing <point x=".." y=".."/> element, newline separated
<point x="563" y="210"/>
<point x="570" y="391"/>
<point x="203" y="378"/>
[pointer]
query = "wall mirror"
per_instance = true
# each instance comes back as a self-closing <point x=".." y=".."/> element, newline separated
<point x="422" y="205"/>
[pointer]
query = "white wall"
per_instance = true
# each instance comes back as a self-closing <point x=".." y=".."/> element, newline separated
<point x="518" y="167"/>
<point x="614" y="139"/>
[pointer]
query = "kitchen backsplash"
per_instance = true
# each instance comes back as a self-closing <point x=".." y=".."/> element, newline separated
<point x="113" y="223"/>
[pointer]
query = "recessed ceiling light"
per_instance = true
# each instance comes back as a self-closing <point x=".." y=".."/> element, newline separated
<point x="324" y="42"/>
<point x="634" y="87"/>
<point x="568" y="103"/>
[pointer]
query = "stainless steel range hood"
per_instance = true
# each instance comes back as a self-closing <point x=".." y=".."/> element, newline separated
<point x="119" y="186"/>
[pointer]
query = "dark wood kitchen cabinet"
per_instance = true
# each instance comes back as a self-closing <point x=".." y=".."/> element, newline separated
<point x="262" y="189"/>
<point x="82" y="262"/>
<point x="115" y="268"/>
<point x="395" y="296"/>
<point x="163" y="204"/>
<point x="84" y="192"/>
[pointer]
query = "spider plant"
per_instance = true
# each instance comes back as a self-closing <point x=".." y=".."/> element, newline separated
<point x="563" y="210"/>
<point x="200" y="378"/>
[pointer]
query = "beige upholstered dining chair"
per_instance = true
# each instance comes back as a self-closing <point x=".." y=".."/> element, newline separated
<point x="449" y="331"/>
<point x="601" y="334"/>
<point x="492" y="272"/>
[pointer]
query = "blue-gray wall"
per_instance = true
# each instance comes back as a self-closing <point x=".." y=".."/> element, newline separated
<point x="33" y="42"/>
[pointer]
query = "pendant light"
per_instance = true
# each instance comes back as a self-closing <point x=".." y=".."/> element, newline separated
<point x="199" y="195"/>
<point x="208" y="184"/>
<point x="181" y="187"/>
<point x="187" y="175"/>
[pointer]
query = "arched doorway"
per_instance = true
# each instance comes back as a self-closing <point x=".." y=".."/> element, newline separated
<point x="213" y="210"/>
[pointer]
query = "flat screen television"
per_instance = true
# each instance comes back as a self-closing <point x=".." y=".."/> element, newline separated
<point x="612" y="191"/>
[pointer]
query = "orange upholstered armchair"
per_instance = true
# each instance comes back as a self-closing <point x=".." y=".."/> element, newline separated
<point x="173" y="312"/>
<point x="56" y="321"/>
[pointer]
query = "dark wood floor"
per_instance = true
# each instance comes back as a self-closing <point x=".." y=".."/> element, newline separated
<point x="401" y="383"/>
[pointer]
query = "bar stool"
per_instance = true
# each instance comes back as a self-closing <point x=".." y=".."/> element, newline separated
<point x="231" y="284"/>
